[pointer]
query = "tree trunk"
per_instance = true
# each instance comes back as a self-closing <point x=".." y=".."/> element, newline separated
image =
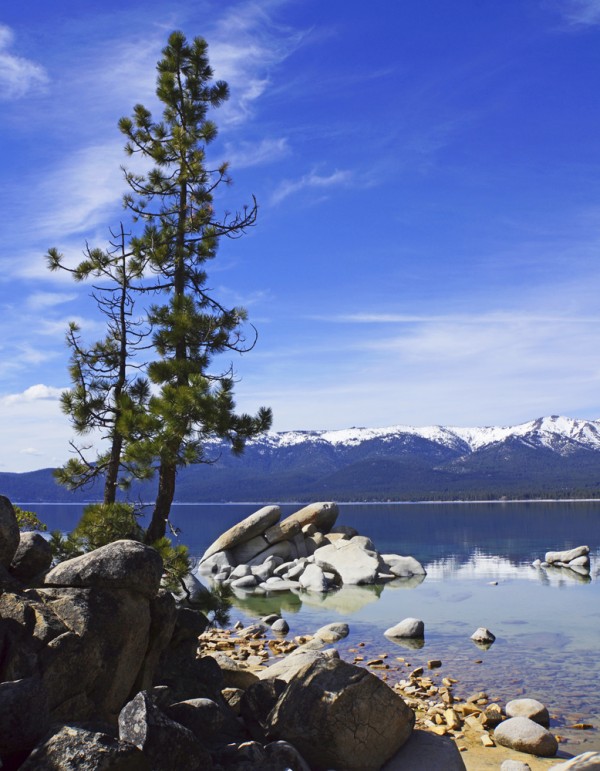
<point x="112" y="472"/>
<point x="162" y="506"/>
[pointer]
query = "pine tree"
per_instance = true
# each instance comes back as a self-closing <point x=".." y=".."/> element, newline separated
<point x="107" y="393"/>
<point x="175" y="203"/>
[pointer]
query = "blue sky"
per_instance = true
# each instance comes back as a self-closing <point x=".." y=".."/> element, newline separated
<point x="428" y="176"/>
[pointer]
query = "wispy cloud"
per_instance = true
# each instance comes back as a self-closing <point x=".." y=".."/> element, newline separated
<point x="245" y="44"/>
<point x="341" y="178"/>
<point x="42" y="300"/>
<point x="18" y="75"/>
<point x="89" y="182"/>
<point x="243" y="155"/>
<point x="581" y="12"/>
<point x="475" y="318"/>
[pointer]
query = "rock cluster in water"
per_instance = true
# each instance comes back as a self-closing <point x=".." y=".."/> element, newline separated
<point x="576" y="560"/>
<point x="303" y="552"/>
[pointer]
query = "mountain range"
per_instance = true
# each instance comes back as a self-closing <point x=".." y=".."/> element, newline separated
<point x="556" y="457"/>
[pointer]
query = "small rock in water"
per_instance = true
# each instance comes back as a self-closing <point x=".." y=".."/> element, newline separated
<point x="434" y="664"/>
<point x="408" y="627"/>
<point x="483" y="635"/>
<point x="269" y="620"/>
<point x="280" y="626"/>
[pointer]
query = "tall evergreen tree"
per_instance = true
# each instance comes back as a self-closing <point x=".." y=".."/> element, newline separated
<point x="107" y="392"/>
<point x="175" y="202"/>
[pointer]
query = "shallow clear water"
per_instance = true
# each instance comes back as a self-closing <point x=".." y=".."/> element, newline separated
<point x="547" y="622"/>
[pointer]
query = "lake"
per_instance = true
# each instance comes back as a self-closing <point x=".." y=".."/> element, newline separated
<point x="546" y="622"/>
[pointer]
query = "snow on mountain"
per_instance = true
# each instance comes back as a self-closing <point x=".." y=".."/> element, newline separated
<point x="557" y="433"/>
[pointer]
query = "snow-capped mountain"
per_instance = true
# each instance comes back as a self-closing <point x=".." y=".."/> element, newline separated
<point x="557" y="433"/>
<point x="551" y="456"/>
<point x="548" y="457"/>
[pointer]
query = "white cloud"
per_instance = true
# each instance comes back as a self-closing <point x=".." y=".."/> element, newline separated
<point x="311" y="181"/>
<point x="35" y="433"/>
<point x="34" y="393"/>
<point x="18" y="76"/>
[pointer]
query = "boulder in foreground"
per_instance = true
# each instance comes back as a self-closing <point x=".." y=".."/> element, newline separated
<point x="118" y="565"/>
<point x="341" y="716"/>
<point x="522" y="734"/>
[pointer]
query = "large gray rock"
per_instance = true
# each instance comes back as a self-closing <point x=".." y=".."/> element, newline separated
<point x="281" y="551"/>
<point x="244" y="552"/>
<point x="249" y="527"/>
<point x="425" y="751"/>
<point x="235" y="673"/>
<point x="9" y="532"/>
<point x="211" y="723"/>
<point x="279" y="755"/>
<point x="33" y="556"/>
<point x="90" y="670"/>
<point x="531" y="708"/>
<point x="338" y="715"/>
<point x="349" y="560"/>
<point x="410" y="628"/>
<point x="24" y="714"/>
<point x="321" y="515"/>
<point x="567" y="555"/>
<point x="119" y="565"/>
<point x="167" y="745"/>
<point x="587" y="761"/>
<point x="283" y="531"/>
<point x="75" y="748"/>
<point x="312" y="579"/>
<point x="287" y="668"/>
<point x="163" y="616"/>
<point x="403" y="567"/>
<point x="522" y="734"/>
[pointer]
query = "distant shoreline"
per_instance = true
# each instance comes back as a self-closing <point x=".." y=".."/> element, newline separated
<point x="352" y="503"/>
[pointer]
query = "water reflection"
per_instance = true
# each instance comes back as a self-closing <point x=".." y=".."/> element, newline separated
<point x="489" y="567"/>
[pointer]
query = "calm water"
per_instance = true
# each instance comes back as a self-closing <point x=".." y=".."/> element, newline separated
<point x="547" y="622"/>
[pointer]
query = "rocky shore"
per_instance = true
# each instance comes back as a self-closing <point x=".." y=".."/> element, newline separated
<point x="101" y="668"/>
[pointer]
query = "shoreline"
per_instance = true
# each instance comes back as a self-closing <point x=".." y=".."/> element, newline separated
<point x="350" y="503"/>
<point x="428" y="690"/>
